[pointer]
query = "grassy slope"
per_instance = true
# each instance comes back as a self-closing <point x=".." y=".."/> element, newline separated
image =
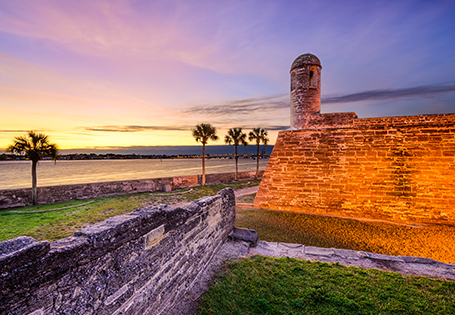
<point x="54" y="225"/>
<point x="263" y="285"/>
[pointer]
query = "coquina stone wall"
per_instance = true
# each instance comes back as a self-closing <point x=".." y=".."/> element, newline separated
<point x="50" y="194"/>
<point x="393" y="168"/>
<point x="139" y="263"/>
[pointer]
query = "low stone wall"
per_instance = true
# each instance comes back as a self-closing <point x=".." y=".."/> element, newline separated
<point x="139" y="263"/>
<point x="406" y="265"/>
<point x="51" y="194"/>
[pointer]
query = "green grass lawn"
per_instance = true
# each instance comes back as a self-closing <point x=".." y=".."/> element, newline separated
<point x="57" y="224"/>
<point x="263" y="285"/>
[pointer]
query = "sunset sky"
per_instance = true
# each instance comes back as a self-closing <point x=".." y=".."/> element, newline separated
<point x="96" y="74"/>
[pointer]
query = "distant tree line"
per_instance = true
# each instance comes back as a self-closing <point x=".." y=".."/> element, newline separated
<point x="117" y="156"/>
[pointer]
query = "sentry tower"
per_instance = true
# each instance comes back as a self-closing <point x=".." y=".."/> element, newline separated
<point x="305" y="90"/>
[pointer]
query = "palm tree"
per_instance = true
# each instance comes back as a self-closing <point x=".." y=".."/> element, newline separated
<point x="259" y="135"/>
<point x="203" y="133"/>
<point x="236" y="136"/>
<point x="34" y="146"/>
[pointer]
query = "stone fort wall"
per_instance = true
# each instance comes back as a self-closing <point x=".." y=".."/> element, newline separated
<point x="23" y="197"/>
<point x="139" y="263"/>
<point x="392" y="168"/>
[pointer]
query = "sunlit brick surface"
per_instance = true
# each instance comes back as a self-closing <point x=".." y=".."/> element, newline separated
<point x="394" y="168"/>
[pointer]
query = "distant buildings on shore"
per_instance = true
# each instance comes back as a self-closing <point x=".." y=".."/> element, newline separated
<point x="156" y="152"/>
<point x="112" y="156"/>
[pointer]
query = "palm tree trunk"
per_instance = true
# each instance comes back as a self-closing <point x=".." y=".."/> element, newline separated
<point x="203" y="164"/>
<point x="236" y="163"/>
<point x="257" y="167"/>
<point x="34" y="163"/>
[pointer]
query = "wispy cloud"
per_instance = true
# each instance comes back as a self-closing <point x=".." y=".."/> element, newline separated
<point x="266" y="104"/>
<point x="373" y="95"/>
<point x="267" y="127"/>
<point x="137" y="128"/>
<point x="17" y="131"/>
<point x="121" y="29"/>
<point x="243" y="106"/>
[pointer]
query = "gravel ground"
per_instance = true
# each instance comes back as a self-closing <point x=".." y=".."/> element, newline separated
<point x="189" y="302"/>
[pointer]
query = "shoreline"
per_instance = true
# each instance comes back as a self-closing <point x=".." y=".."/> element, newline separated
<point x="21" y="197"/>
<point x="16" y="174"/>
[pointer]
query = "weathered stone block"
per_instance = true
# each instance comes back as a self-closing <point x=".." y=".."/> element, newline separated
<point x="19" y="251"/>
<point x="246" y="235"/>
<point x="112" y="232"/>
<point x="318" y="251"/>
<point x="382" y="257"/>
<point x="167" y="188"/>
<point x="419" y="260"/>
<point x="15" y="244"/>
<point x="154" y="236"/>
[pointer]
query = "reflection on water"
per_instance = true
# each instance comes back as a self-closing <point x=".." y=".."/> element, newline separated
<point x="17" y="174"/>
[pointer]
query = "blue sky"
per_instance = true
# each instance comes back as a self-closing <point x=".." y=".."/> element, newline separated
<point x="100" y="74"/>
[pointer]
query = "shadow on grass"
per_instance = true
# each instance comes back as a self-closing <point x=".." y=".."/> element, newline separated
<point x="432" y="241"/>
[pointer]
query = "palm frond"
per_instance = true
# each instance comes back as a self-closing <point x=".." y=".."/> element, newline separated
<point x="236" y="137"/>
<point x="34" y="146"/>
<point x="204" y="132"/>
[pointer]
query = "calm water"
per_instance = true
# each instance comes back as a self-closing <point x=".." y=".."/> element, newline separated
<point x="17" y="174"/>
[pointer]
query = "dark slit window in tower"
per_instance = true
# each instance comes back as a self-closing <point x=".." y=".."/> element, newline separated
<point x="312" y="78"/>
<point x="293" y="81"/>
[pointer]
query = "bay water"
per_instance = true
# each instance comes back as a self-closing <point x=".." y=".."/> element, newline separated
<point x="17" y="174"/>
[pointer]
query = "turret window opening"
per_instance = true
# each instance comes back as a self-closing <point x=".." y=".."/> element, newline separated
<point x="313" y="81"/>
